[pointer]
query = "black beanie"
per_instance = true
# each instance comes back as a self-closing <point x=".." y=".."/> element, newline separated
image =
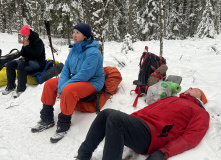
<point x="84" y="28"/>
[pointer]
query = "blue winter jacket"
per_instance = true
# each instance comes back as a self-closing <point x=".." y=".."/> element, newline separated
<point x="84" y="63"/>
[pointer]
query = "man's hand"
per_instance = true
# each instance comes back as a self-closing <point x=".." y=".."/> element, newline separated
<point x="158" y="155"/>
<point x="25" y="42"/>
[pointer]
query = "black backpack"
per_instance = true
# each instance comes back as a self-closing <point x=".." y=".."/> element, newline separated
<point x="149" y="63"/>
<point x="9" y="57"/>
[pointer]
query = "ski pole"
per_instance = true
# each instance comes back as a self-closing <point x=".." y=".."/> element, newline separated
<point x="47" y="25"/>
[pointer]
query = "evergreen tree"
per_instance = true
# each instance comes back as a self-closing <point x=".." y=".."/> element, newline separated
<point x="113" y="19"/>
<point x="109" y="20"/>
<point x="143" y="19"/>
<point x="97" y="21"/>
<point x="123" y="18"/>
<point x="206" y="26"/>
<point x="149" y="20"/>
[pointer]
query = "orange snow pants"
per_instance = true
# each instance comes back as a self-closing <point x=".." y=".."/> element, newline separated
<point x="70" y="95"/>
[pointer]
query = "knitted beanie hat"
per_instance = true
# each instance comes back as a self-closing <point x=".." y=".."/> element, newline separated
<point x="203" y="97"/>
<point x="84" y="28"/>
<point x="25" y="30"/>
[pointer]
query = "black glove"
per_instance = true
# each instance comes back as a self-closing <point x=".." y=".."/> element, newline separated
<point x="24" y="59"/>
<point x="158" y="155"/>
<point x="70" y="46"/>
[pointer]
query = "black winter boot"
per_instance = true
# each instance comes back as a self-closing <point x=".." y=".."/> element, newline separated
<point x="64" y="122"/>
<point x="47" y="119"/>
<point x="22" y="80"/>
<point x="63" y="125"/>
<point x="11" y="75"/>
<point x="47" y="113"/>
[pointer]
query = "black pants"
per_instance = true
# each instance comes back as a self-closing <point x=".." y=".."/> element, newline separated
<point x="119" y="129"/>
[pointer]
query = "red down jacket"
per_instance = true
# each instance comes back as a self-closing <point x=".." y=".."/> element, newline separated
<point x="176" y="124"/>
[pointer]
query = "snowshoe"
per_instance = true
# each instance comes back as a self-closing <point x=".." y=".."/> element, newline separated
<point x="42" y="126"/>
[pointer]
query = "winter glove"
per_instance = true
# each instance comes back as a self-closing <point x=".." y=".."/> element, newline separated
<point x="24" y="59"/>
<point x="70" y="46"/>
<point x="158" y="155"/>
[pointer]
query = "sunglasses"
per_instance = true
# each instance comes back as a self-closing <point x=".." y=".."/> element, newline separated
<point x="23" y="36"/>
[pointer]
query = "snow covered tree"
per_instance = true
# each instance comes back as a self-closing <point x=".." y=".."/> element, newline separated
<point x="195" y="16"/>
<point x="109" y="20"/>
<point x="112" y="19"/>
<point x="80" y="11"/>
<point x="123" y="18"/>
<point x="95" y="10"/>
<point x="148" y="20"/>
<point x="206" y="26"/>
<point x="177" y="15"/>
<point x="127" y="44"/>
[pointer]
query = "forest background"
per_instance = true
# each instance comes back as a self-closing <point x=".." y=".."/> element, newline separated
<point x="112" y="20"/>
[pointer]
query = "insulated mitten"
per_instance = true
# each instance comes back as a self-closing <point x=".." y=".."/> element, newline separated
<point x="158" y="155"/>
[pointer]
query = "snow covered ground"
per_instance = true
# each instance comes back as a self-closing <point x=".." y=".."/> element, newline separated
<point x="193" y="59"/>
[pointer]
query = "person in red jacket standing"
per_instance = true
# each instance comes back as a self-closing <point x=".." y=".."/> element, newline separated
<point x="163" y="129"/>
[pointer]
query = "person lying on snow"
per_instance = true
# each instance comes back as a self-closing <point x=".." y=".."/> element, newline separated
<point x="163" y="129"/>
<point x="33" y="53"/>
<point x="81" y="76"/>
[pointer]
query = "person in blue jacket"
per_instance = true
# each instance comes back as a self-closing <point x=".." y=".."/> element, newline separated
<point x="81" y="76"/>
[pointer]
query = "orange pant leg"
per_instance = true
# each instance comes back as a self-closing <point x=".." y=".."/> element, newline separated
<point x="50" y="90"/>
<point x="73" y="93"/>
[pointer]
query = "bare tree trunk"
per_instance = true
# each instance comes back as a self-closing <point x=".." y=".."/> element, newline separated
<point x="1" y="17"/>
<point x="86" y="5"/>
<point x="19" y="18"/>
<point x="161" y="27"/>
<point x="217" y="22"/>
<point x="165" y="17"/>
<point x="110" y="21"/>
<point x="7" y="17"/>
<point x="68" y="28"/>
<point x="19" y="15"/>
<point x="80" y="11"/>
<point x="35" y="16"/>
<point x="133" y="19"/>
